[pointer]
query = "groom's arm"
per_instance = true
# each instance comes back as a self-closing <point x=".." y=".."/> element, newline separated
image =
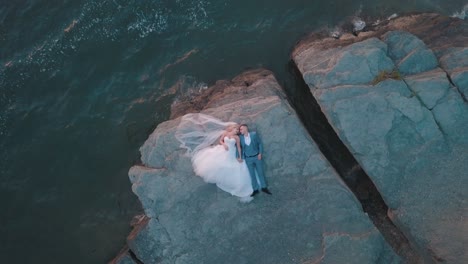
<point x="260" y="146"/>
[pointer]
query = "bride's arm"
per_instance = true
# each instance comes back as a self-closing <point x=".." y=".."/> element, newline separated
<point x="221" y="141"/>
<point x="238" y="148"/>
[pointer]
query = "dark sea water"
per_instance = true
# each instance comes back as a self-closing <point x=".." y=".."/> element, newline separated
<point x="83" y="83"/>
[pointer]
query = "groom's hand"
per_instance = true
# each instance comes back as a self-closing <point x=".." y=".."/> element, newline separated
<point x="259" y="156"/>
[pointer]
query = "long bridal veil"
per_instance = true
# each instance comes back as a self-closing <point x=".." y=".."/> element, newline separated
<point x="197" y="131"/>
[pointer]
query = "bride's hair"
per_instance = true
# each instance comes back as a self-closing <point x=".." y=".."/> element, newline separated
<point x="229" y="128"/>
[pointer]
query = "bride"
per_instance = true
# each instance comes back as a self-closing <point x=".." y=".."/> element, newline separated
<point x="216" y="164"/>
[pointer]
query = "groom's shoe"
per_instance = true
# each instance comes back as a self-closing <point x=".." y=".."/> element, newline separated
<point x="254" y="193"/>
<point x="265" y="190"/>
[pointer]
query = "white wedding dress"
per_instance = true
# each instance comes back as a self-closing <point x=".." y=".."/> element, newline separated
<point x="220" y="166"/>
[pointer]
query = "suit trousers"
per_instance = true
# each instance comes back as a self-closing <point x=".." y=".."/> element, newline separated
<point x="256" y="165"/>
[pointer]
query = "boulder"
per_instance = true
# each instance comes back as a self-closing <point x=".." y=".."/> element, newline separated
<point x="407" y="129"/>
<point x="311" y="217"/>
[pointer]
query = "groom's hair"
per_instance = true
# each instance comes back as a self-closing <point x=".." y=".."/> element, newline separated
<point x="244" y="125"/>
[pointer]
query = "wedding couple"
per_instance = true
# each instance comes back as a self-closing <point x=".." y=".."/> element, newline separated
<point x="235" y="165"/>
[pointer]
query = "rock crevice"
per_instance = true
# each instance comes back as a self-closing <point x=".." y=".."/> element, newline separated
<point x="347" y="167"/>
<point x="411" y="148"/>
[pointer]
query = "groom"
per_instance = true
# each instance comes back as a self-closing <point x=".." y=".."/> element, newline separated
<point x="252" y="149"/>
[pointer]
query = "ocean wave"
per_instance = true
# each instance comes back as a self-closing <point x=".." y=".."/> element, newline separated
<point x="100" y="22"/>
<point x="154" y="23"/>
<point x="462" y="14"/>
<point x="110" y="19"/>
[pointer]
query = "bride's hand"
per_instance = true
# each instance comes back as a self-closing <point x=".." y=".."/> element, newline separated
<point x="225" y="147"/>
<point x="239" y="160"/>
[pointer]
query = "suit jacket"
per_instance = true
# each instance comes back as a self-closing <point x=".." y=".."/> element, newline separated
<point x="255" y="147"/>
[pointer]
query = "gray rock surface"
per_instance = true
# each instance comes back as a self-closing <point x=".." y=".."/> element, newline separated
<point x="409" y="53"/>
<point x="355" y="64"/>
<point x="455" y="62"/>
<point x="312" y="217"/>
<point x="409" y="133"/>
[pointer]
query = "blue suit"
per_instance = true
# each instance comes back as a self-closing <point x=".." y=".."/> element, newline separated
<point x="250" y="155"/>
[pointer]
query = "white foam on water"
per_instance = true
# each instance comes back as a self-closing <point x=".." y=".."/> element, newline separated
<point x="187" y="87"/>
<point x="395" y="15"/>
<point x="358" y="24"/>
<point x="158" y="19"/>
<point x="145" y="24"/>
<point x="198" y="16"/>
<point x="462" y="14"/>
<point x="336" y="32"/>
<point x="103" y="22"/>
